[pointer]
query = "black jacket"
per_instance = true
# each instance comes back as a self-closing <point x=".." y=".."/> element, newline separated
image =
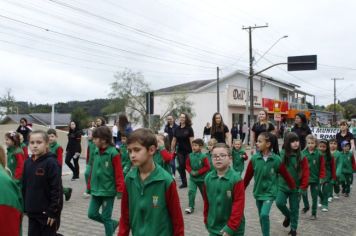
<point x="74" y="138"/>
<point x="42" y="187"/>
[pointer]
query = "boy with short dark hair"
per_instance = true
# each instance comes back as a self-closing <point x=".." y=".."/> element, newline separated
<point x="224" y="196"/>
<point x="198" y="166"/>
<point x="150" y="203"/>
<point x="57" y="149"/>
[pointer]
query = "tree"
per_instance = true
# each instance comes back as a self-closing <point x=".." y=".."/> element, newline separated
<point x="115" y="106"/>
<point x="338" y="108"/>
<point x="131" y="87"/>
<point x="80" y="117"/>
<point x="8" y="101"/>
<point x="349" y="111"/>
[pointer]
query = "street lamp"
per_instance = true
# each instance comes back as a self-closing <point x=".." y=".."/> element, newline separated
<point x="269" y="49"/>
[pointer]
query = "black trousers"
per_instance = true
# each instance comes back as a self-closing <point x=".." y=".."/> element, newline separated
<point x="37" y="226"/>
<point x="243" y="135"/>
<point x="74" y="168"/>
<point x="181" y="168"/>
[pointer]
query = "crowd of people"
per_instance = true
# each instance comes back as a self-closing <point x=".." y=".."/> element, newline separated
<point x="138" y="167"/>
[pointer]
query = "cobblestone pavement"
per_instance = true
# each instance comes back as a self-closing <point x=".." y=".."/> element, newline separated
<point x="339" y="221"/>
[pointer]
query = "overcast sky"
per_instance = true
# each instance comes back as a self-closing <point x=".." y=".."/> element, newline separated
<point x="170" y="42"/>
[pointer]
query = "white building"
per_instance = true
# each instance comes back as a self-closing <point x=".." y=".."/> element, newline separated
<point x="282" y="99"/>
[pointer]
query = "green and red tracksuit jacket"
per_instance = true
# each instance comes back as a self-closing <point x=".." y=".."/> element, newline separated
<point x="163" y="158"/>
<point x="197" y="164"/>
<point x="125" y="159"/>
<point x="151" y="206"/>
<point x="90" y="152"/>
<point x="348" y="162"/>
<point x="15" y="161"/>
<point x="316" y="166"/>
<point x="10" y="205"/>
<point x="106" y="177"/>
<point x="238" y="159"/>
<point x="24" y="149"/>
<point x="224" y="202"/>
<point x="266" y="174"/>
<point x="338" y="163"/>
<point x="208" y="154"/>
<point x="330" y="167"/>
<point x="55" y="148"/>
<point x="298" y="171"/>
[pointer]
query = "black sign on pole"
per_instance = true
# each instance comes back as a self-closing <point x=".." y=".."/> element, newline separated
<point x="297" y="63"/>
<point x="150" y="102"/>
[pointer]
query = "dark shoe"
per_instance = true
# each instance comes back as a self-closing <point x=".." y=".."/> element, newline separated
<point x="75" y="177"/>
<point x="347" y="195"/>
<point x="183" y="186"/>
<point x="305" y="209"/>
<point x="286" y="222"/>
<point x="68" y="195"/>
<point x="292" y="232"/>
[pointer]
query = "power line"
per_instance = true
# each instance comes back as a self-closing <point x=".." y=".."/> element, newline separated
<point x="103" y="45"/>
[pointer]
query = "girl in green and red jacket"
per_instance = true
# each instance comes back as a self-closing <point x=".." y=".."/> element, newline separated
<point x="15" y="155"/>
<point x="316" y="174"/>
<point x="330" y="170"/>
<point x="106" y="179"/>
<point x="150" y="203"/>
<point x="348" y="167"/>
<point x="298" y="168"/>
<point x="266" y="166"/>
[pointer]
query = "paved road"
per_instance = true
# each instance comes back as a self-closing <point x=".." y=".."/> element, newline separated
<point x="339" y="221"/>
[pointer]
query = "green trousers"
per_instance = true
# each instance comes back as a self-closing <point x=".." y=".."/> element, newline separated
<point x="87" y="173"/>
<point x="314" y="191"/>
<point x="325" y="192"/>
<point x="337" y="187"/>
<point x="293" y="212"/>
<point x="347" y="183"/>
<point x="192" y="191"/>
<point x="106" y="203"/>
<point x="264" y="207"/>
<point x="240" y="231"/>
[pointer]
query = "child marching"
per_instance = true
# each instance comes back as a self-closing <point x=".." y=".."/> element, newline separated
<point x="239" y="156"/>
<point x="162" y="157"/>
<point x="348" y="167"/>
<point x="224" y="196"/>
<point x="150" y="203"/>
<point x="198" y="166"/>
<point x="265" y="166"/>
<point x="106" y="179"/>
<point x="326" y="189"/>
<point x="316" y="174"/>
<point x="297" y="167"/>
<point x="15" y="155"/>
<point x="125" y="159"/>
<point x="338" y="165"/>
<point x="211" y="143"/>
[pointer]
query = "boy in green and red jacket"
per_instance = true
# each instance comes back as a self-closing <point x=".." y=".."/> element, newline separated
<point x="10" y="203"/>
<point x="106" y="179"/>
<point x="316" y="174"/>
<point x="125" y="159"/>
<point x="348" y="167"/>
<point x="56" y="149"/>
<point x="211" y="143"/>
<point x="198" y="166"/>
<point x="224" y="196"/>
<point x="266" y="167"/>
<point x="150" y="203"/>
<point x="338" y="166"/>
<point x="239" y="156"/>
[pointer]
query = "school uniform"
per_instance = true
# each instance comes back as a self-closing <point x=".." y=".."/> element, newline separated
<point x="10" y="205"/>
<point x="42" y="194"/>
<point x="89" y="160"/>
<point x="208" y="154"/>
<point x="125" y="159"/>
<point x="300" y="174"/>
<point x="198" y="166"/>
<point x="348" y="167"/>
<point x="150" y="207"/>
<point x="163" y="158"/>
<point x="326" y="189"/>
<point x="105" y="182"/>
<point x="24" y="148"/>
<point x="316" y="175"/>
<point x="338" y="165"/>
<point x="266" y="171"/>
<point x="238" y="159"/>
<point x="224" y="203"/>
<point x="15" y="162"/>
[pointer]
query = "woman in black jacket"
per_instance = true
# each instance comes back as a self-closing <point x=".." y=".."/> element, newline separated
<point x="301" y="128"/>
<point x="73" y="149"/>
<point x="24" y="129"/>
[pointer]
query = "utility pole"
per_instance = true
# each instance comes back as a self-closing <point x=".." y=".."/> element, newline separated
<point x="250" y="28"/>
<point x="334" y="116"/>
<point x="217" y="89"/>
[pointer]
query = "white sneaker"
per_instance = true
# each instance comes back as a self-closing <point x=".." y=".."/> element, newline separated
<point x="319" y="205"/>
<point x="330" y="199"/>
<point x="324" y="209"/>
<point x="189" y="210"/>
<point x="86" y="195"/>
<point x="336" y="196"/>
